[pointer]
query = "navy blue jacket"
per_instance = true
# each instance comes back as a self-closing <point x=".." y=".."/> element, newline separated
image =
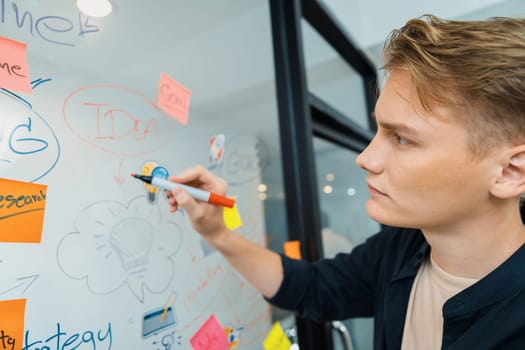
<point x="375" y="280"/>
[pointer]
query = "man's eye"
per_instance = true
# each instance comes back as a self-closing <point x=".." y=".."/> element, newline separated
<point x="400" y="140"/>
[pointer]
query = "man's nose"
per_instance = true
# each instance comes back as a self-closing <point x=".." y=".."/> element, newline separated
<point x="370" y="158"/>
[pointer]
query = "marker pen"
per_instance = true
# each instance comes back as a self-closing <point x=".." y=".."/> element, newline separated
<point x="196" y="193"/>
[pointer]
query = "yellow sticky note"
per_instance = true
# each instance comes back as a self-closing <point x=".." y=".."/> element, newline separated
<point x="276" y="339"/>
<point x="232" y="218"/>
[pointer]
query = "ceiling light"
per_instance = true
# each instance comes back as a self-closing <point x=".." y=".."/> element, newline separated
<point x="94" y="8"/>
<point x="351" y="191"/>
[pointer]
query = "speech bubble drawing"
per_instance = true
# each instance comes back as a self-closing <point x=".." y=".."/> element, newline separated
<point x="117" y="120"/>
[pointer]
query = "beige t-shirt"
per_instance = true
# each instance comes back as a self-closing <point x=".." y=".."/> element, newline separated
<point x="432" y="287"/>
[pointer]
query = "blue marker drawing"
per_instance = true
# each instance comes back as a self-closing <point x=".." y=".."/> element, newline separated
<point x="161" y="172"/>
<point x="39" y="81"/>
<point x="49" y="27"/>
<point x="168" y="341"/>
<point x="32" y="137"/>
<point x="21" y="99"/>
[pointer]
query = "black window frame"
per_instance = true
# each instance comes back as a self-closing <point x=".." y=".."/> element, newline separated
<point x="303" y="115"/>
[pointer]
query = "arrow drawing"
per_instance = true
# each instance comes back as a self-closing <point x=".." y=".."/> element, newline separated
<point x="26" y="281"/>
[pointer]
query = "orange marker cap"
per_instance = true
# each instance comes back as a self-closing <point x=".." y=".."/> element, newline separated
<point x="220" y="200"/>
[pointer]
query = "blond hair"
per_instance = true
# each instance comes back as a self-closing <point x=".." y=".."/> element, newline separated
<point x="476" y="67"/>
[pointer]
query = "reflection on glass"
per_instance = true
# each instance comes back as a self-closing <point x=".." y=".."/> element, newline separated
<point x="343" y="194"/>
<point x="344" y="220"/>
<point x="331" y="78"/>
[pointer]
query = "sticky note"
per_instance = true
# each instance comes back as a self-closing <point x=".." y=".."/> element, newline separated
<point x="14" y="72"/>
<point x="210" y="336"/>
<point x="233" y="336"/>
<point x="173" y="98"/>
<point x="12" y="316"/>
<point x="22" y="207"/>
<point x="232" y="218"/>
<point x="217" y="143"/>
<point x="292" y="249"/>
<point x="276" y="339"/>
<point x="157" y="320"/>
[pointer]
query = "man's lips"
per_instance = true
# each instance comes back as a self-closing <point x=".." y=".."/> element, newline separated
<point x="374" y="190"/>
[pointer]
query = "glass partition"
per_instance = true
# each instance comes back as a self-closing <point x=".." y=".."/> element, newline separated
<point x="153" y="88"/>
<point x="331" y="78"/>
<point x="345" y="223"/>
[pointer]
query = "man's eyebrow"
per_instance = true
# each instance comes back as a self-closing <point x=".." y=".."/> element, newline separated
<point x="399" y="127"/>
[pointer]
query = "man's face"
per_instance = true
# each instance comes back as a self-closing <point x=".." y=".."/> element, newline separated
<point x="421" y="172"/>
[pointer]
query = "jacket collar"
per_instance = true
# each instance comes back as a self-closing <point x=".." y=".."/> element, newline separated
<point x="409" y="270"/>
<point x="505" y="281"/>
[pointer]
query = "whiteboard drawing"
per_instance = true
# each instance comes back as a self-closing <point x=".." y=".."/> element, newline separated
<point x="217" y="143"/>
<point x="152" y="168"/>
<point x="241" y="164"/>
<point x="167" y="341"/>
<point x="29" y="147"/>
<point x="116" y="245"/>
<point x="117" y="120"/>
<point x="157" y="320"/>
<point x="15" y="285"/>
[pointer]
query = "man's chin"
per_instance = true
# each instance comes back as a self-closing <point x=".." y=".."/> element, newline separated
<point x="386" y="217"/>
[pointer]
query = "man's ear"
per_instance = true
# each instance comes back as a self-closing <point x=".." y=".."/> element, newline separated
<point x="511" y="181"/>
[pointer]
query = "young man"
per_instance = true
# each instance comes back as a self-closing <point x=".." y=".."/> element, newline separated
<point x="445" y="173"/>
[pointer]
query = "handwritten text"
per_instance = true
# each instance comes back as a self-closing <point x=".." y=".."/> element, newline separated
<point x="64" y="341"/>
<point x="6" y="342"/>
<point x="51" y="28"/>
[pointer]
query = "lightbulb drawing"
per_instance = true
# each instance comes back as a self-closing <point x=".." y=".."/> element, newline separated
<point x="152" y="168"/>
<point x="147" y="169"/>
<point x="132" y="238"/>
<point x="116" y="245"/>
<point x="160" y="171"/>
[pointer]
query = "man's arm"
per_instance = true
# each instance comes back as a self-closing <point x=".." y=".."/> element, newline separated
<point x="260" y="266"/>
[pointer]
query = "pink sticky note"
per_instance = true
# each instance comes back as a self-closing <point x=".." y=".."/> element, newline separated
<point x="210" y="336"/>
<point x="174" y="98"/>
<point x="14" y="72"/>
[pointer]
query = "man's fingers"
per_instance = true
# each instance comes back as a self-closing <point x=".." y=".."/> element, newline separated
<point x="194" y="174"/>
<point x="172" y="202"/>
<point x="187" y="203"/>
<point x="201" y="177"/>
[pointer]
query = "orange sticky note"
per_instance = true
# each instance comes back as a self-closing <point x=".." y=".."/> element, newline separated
<point x="12" y="316"/>
<point x="210" y="336"/>
<point x="22" y="207"/>
<point x="14" y="72"/>
<point x="173" y="98"/>
<point x="292" y="249"/>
